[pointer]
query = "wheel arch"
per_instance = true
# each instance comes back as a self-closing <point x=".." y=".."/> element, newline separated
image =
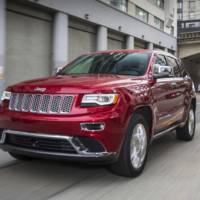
<point x="146" y="110"/>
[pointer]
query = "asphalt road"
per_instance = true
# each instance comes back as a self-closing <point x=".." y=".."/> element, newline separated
<point x="172" y="173"/>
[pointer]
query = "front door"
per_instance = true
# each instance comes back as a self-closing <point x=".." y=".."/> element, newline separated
<point x="164" y="93"/>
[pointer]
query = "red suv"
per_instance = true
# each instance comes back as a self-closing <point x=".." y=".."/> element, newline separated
<point x="105" y="106"/>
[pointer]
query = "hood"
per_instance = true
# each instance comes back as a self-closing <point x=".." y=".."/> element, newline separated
<point x="76" y="84"/>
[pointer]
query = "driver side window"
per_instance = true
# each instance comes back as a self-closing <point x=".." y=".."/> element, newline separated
<point x="160" y="59"/>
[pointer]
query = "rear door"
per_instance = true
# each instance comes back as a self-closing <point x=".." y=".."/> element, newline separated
<point x="179" y="86"/>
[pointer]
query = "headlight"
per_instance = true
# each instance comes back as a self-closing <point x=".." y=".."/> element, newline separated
<point x="6" y="95"/>
<point x="99" y="99"/>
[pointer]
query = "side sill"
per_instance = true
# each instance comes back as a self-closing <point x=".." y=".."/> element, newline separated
<point x="160" y="134"/>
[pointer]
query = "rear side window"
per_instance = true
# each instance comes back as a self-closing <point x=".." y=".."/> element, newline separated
<point x="173" y="63"/>
<point x="183" y="70"/>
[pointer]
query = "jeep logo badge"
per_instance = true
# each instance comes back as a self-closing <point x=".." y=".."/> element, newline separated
<point x="38" y="89"/>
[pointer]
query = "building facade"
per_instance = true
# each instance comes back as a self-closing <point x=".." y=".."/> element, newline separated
<point x="158" y="13"/>
<point x="188" y="10"/>
<point x="38" y="36"/>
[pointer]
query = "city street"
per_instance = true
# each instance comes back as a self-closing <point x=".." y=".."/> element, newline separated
<point x="172" y="172"/>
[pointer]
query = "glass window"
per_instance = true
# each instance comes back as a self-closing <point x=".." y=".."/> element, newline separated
<point x="191" y="6"/>
<point x="159" y="23"/>
<point x="180" y="16"/>
<point x="191" y="25"/>
<point x="173" y="63"/>
<point x="183" y="72"/>
<point x="160" y="59"/>
<point x="120" y="4"/>
<point x="180" y="5"/>
<point x="159" y="3"/>
<point x="142" y="14"/>
<point x="191" y="9"/>
<point x="134" y="64"/>
<point x="192" y="15"/>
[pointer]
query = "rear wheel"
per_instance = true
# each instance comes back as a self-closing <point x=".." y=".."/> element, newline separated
<point x="134" y="152"/>
<point x="188" y="130"/>
<point x="20" y="157"/>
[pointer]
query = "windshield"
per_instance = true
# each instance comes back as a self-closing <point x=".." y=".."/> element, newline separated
<point x="134" y="64"/>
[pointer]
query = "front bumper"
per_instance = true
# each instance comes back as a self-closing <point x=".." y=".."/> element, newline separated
<point x="77" y="151"/>
<point x="111" y="137"/>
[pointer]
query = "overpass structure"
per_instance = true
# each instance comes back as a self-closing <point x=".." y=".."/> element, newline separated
<point x="189" y="47"/>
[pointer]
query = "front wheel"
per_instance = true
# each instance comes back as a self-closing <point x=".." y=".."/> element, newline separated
<point x="188" y="130"/>
<point x="134" y="152"/>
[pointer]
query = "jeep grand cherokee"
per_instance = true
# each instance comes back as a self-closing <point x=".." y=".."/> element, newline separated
<point x="103" y="106"/>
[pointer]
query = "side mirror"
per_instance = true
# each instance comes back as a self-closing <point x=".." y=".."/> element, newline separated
<point x="161" y="71"/>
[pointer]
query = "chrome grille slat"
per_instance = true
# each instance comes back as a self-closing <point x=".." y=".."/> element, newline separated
<point x="12" y="101"/>
<point x="55" y="104"/>
<point x="16" y="101"/>
<point x="45" y="104"/>
<point x="35" y="103"/>
<point x="41" y="103"/>
<point x="19" y="102"/>
<point x="66" y="104"/>
<point x="27" y="102"/>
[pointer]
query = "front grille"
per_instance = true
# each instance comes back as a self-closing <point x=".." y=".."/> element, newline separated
<point x="39" y="103"/>
<point x="39" y="143"/>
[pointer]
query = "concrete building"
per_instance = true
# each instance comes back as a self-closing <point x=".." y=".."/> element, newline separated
<point x="189" y="36"/>
<point x="37" y="36"/>
<point x="188" y="10"/>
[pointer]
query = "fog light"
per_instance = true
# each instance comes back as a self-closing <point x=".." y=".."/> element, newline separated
<point x="92" y="126"/>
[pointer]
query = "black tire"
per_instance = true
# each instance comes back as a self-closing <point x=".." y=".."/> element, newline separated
<point x="124" y="166"/>
<point x="184" y="133"/>
<point x="20" y="157"/>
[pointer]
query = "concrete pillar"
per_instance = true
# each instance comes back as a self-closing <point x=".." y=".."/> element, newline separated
<point x="130" y="42"/>
<point x="2" y="43"/>
<point x="150" y="46"/>
<point x="102" y="38"/>
<point x="60" y="40"/>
